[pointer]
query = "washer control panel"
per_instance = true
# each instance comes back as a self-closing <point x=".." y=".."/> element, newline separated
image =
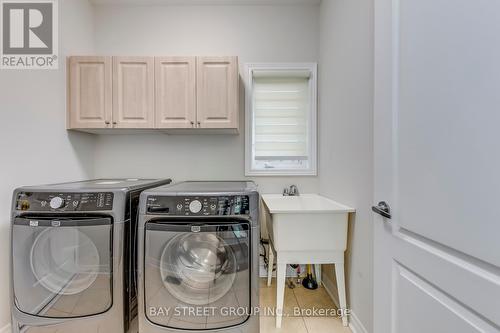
<point x="199" y="205"/>
<point x="64" y="202"/>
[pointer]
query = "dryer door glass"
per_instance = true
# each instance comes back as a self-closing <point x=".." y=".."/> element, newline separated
<point x="62" y="268"/>
<point x="197" y="276"/>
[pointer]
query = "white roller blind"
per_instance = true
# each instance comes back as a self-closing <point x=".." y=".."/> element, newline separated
<point x="281" y="106"/>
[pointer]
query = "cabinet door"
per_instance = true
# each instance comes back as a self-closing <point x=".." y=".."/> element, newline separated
<point x="175" y="92"/>
<point x="133" y="92"/>
<point x="89" y="88"/>
<point x="217" y="92"/>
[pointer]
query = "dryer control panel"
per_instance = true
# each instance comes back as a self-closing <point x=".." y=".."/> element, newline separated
<point x="199" y="205"/>
<point x="64" y="202"/>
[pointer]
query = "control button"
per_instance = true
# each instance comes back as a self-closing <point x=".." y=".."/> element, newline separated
<point x="213" y="206"/>
<point x="56" y="202"/>
<point x="24" y="205"/>
<point x="100" y="200"/>
<point x="43" y="203"/>
<point x="179" y="206"/>
<point x="195" y="206"/>
<point x="75" y="203"/>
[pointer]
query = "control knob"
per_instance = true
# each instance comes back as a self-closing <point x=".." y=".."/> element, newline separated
<point x="195" y="206"/>
<point x="56" y="202"/>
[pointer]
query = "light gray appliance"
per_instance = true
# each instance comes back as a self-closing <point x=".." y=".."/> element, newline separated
<point x="72" y="260"/>
<point x="198" y="258"/>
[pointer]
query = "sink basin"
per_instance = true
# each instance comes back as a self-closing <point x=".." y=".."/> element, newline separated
<point x="308" y="222"/>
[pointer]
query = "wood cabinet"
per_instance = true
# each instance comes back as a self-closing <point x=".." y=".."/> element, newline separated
<point x="133" y="92"/>
<point x="217" y="92"/>
<point x="171" y="93"/>
<point x="175" y="92"/>
<point x="89" y="92"/>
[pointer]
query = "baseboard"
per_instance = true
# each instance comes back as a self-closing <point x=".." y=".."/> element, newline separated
<point x="355" y="324"/>
<point x="333" y="294"/>
<point x="6" y="329"/>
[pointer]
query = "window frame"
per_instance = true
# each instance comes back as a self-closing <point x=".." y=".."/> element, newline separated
<point x="313" y="115"/>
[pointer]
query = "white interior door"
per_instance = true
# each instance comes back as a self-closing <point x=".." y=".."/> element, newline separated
<point x="437" y="164"/>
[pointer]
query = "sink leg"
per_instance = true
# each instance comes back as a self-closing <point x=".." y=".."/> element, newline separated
<point x="270" y="265"/>
<point x="339" y="273"/>
<point x="317" y="271"/>
<point x="280" y="292"/>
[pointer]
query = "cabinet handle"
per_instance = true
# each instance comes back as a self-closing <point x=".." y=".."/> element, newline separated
<point x="107" y="122"/>
<point x="199" y="124"/>
<point x="114" y="122"/>
<point x="192" y="123"/>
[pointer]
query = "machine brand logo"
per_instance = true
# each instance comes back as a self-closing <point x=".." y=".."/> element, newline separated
<point x="195" y="228"/>
<point x="29" y="36"/>
<point x="56" y="223"/>
<point x="33" y="223"/>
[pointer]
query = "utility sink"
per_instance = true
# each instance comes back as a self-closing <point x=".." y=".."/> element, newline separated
<point x="308" y="222"/>
<point x="307" y="228"/>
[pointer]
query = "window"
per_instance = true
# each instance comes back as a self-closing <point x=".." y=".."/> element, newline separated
<point x="280" y="119"/>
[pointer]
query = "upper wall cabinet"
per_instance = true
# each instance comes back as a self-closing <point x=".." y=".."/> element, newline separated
<point x="174" y="93"/>
<point x="133" y="92"/>
<point x="90" y="89"/>
<point x="217" y="92"/>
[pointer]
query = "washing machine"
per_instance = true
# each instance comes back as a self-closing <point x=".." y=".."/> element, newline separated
<point x="72" y="260"/>
<point x="198" y="258"/>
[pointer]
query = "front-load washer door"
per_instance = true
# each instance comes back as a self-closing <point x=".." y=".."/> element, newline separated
<point x="197" y="276"/>
<point x="62" y="268"/>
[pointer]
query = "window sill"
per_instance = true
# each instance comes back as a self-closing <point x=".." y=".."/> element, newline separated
<point x="274" y="173"/>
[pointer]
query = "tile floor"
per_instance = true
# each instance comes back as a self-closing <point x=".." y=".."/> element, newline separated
<point x="299" y="298"/>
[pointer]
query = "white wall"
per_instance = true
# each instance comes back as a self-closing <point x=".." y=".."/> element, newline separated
<point x="34" y="145"/>
<point x="38" y="149"/>
<point x="254" y="33"/>
<point x="346" y="152"/>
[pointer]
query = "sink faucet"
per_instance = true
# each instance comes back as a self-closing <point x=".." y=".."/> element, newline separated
<point x="292" y="191"/>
